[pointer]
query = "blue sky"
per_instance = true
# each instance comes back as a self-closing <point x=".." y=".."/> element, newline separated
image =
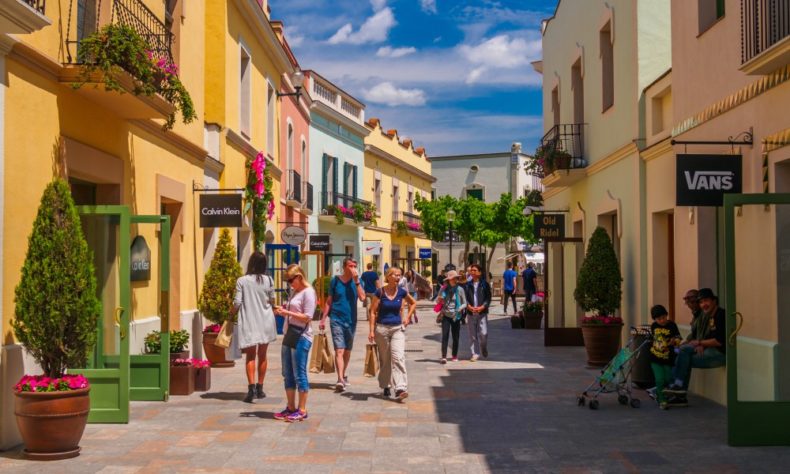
<point x="453" y="75"/>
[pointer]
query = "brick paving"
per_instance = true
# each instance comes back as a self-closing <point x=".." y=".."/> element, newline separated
<point x="515" y="412"/>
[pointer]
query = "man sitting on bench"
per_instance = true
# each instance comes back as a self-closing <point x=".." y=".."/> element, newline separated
<point x="704" y="349"/>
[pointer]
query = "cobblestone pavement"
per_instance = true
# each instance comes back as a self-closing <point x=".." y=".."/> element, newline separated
<point x="514" y="412"/>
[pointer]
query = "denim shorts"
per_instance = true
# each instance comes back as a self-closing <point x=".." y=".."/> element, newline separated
<point x="342" y="336"/>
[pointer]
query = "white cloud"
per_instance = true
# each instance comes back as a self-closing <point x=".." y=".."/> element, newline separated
<point x="293" y="37"/>
<point x="388" y="52"/>
<point x="378" y="4"/>
<point x="374" y="30"/>
<point x="428" y="6"/>
<point x="386" y="93"/>
<point x="499" y="52"/>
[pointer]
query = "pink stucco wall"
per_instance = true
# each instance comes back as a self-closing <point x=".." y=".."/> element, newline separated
<point x="298" y="118"/>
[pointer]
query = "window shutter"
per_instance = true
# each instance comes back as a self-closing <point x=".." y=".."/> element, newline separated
<point x="354" y="178"/>
<point x="323" y="181"/>
<point x="334" y="180"/>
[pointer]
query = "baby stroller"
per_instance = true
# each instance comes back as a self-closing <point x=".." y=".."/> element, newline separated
<point x="616" y="377"/>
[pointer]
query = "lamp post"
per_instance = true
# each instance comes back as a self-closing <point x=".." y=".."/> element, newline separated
<point x="297" y="80"/>
<point x="450" y="219"/>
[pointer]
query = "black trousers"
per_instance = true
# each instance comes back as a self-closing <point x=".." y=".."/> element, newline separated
<point x="511" y="295"/>
<point x="448" y="325"/>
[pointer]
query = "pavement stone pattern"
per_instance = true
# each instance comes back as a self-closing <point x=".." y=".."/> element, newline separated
<point x="513" y="412"/>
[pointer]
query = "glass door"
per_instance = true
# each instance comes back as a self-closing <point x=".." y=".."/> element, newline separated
<point x="106" y="230"/>
<point x="562" y="315"/>
<point x="757" y="267"/>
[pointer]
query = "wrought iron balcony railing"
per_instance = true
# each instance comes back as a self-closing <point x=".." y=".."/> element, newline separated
<point x="85" y="17"/>
<point x="332" y="202"/>
<point x="410" y="222"/>
<point x="294" y="191"/>
<point x="763" y="24"/>
<point x="39" y="5"/>
<point x="308" y="202"/>
<point x="562" y="148"/>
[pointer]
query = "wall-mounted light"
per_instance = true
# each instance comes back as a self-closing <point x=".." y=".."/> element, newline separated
<point x="297" y="79"/>
<point x="539" y="209"/>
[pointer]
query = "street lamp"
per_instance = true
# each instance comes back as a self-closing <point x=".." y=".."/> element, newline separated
<point x="450" y="219"/>
<point x="297" y="79"/>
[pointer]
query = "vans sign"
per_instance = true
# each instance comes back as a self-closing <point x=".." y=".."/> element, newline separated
<point x="702" y="180"/>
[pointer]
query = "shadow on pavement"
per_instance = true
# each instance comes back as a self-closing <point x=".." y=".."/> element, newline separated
<point x="268" y="415"/>
<point x="226" y="396"/>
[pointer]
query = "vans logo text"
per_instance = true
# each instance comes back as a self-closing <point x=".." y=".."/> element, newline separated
<point x="709" y="180"/>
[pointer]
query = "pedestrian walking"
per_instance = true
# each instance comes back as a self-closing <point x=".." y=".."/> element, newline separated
<point x="509" y="286"/>
<point x="256" y="326"/>
<point x="388" y="331"/>
<point x="370" y="283"/>
<point x="411" y="283"/>
<point x="530" y="281"/>
<point x="478" y="297"/>
<point x="453" y="301"/>
<point x="341" y="308"/>
<point x="297" y="340"/>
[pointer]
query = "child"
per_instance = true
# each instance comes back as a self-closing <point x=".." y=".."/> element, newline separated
<point x="662" y="354"/>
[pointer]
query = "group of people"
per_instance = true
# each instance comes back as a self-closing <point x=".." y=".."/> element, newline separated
<point x="672" y="357"/>
<point x="509" y="285"/>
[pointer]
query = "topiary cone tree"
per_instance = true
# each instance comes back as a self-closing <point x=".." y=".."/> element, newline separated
<point x="598" y="285"/>
<point x="219" y="286"/>
<point x="56" y="303"/>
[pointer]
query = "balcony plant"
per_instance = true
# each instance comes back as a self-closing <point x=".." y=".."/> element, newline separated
<point x="364" y="212"/>
<point x="216" y="296"/>
<point x="547" y="159"/>
<point x="599" y="289"/>
<point x="401" y="228"/>
<point x="55" y="319"/>
<point x="116" y="48"/>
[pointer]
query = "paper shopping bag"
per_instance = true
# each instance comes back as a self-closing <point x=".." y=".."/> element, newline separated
<point x="371" y="361"/>
<point x="316" y="358"/>
<point x="225" y="335"/>
<point x="327" y="358"/>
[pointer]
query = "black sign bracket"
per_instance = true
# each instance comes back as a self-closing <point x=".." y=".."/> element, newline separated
<point x="748" y="139"/>
<point x="199" y="188"/>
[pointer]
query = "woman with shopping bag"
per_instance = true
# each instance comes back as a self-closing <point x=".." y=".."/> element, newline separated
<point x="388" y="331"/>
<point x="297" y="339"/>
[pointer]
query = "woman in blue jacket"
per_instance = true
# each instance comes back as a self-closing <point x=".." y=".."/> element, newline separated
<point x="453" y="301"/>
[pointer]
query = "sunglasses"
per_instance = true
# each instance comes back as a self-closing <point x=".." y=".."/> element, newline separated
<point x="290" y="280"/>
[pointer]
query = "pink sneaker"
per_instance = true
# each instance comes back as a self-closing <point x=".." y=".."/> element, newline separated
<point x="298" y="415"/>
<point x="283" y="414"/>
<point x="455" y="358"/>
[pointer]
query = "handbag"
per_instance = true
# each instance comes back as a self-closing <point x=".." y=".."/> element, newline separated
<point x="292" y="335"/>
<point x="225" y="335"/>
<point x="371" y="361"/>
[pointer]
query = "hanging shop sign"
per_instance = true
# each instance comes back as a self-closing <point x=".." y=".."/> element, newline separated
<point x="372" y="248"/>
<point x="549" y="226"/>
<point x="140" y="259"/>
<point x="293" y="235"/>
<point x="220" y="210"/>
<point x="318" y="243"/>
<point x="425" y="253"/>
<point x="703" y="180"/>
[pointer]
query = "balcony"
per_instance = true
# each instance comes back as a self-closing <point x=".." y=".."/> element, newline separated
<point x="22" y="16"/>
<point x="765" y="35"/>
<point x="307" y="204"/>
<point x="562" y="150"/>
<point x="344" y="209"/>
<point x="406" y="223"/>
<point x="293" y="194"/>
<point x="38" y="5"/>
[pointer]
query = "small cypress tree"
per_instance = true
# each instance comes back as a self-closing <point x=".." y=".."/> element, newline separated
<point x="598" y="285"/>
<point x="56" y="303"/>
<point x="216" y="296"/>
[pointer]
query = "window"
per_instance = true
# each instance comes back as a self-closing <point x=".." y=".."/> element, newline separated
<point x="395" y="199"/>
<point x="303" y="159"/>
<point x="661" y="112"/>
<point x="475" y="193"/>
<point x="271" y="117"/>
<point x="410" y="201"/>
<point x="555" y="104"/>
<point x="577" y="85"/>
<point x="245" y="98"/>
<point x="607" y="67"/>
<point x="709" y="13"/>
<point x="289" y="144"/>
<point x="377" y="193"/>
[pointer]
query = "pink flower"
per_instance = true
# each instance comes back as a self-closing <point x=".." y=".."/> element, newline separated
<point x="42" y="383"/>
<point x="212" y="328"/>
<point x="270" y="210"/>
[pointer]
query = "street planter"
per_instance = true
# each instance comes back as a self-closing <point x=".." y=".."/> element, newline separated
<point x="202" y="379"/>
<point x="532" y="319"/>
<point x="601" y="341"/>
<point x="214" y="353"/>
<point x="182" y="379"/>
<point x="517" y="322"/>
<point x="52" y="423"/>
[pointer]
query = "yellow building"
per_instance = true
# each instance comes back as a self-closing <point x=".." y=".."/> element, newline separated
<point x="395" y="174"/>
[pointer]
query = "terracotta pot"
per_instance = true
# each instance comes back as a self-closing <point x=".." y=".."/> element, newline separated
<point x="214" y="353"/>
<point x="179" y="355"/>
<point x="601" y="342"/>
<point x="532" y="319"/>
<point x="52" y="423"/>
<point x="203" y="379"/>
<point x="182" y="379"/>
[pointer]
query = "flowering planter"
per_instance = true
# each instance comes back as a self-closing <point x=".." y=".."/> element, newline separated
<point x="51" y="423"/>
<point x="203" y="379"/>
<point x="182" y="379"/>
<point x="532" y="319"/>
<point x="215" y="354"/>
<point x="602" y="341"/>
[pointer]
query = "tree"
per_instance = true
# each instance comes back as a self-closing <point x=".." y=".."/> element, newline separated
<point x="433" y="216"/>
<point x="598" y="285"/>
<point x="56" y="303"/>
<point x="471" y="214"/>
<point x="219" y="286"/>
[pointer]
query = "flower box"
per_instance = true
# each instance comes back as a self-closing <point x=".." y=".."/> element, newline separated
<point x="182" y="379"/>
<point x="203" y="379"/>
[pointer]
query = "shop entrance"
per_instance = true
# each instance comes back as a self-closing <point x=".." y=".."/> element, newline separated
<point x="562" y="315"/>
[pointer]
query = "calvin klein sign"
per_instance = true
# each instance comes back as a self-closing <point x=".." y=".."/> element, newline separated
<point x="220" y="210"/>
<point x="702" y="180"/>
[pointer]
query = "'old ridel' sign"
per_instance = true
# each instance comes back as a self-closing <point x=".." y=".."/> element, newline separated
<point x="549" y="226"/>
<point x="220" y="210"/>
<point x="702" y="180"/>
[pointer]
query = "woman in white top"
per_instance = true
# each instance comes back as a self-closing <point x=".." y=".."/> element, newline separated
<point x="256" y="325"/>
<point x="298" y="313"/>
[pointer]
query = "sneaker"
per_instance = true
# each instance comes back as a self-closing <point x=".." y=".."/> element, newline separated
<point x="485" y="352"/>
<point x="651" y="392"/>
<point x="675" y="389"/>
<point x="401" y="395"/>
<point x="283" y="414"/>
<point x="387" y="393"/>
<point x="340" y="386"/>
<point x="346" y="382"/>
<point x="455" y="358"/>
<point x="298" y="415"/>
<point x="474" y="358"/>
<point x="663" y="406"/>
<point x="678" y="401"/>
<point x="443" y="361"/>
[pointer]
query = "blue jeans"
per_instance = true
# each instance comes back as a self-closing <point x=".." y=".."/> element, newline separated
<point x="342" y="336"/>
<point x="688" y="358"/>
<point x="295" y="365"/>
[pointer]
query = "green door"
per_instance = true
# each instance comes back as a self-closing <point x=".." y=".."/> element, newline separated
<point x="150" y="373"/>
<point x="106" y="230"/>
<point x="757" y="266"/>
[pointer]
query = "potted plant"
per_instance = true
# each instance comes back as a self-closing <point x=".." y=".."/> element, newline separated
<point x="182" y="376"/>
<point x="55" y="318"/>
<point x="216" y="297"/>
<point x="532" y="314"/>
<point x="599" y="289"/>
<point x="202" y="375"/>
<point x="179" y="340"/>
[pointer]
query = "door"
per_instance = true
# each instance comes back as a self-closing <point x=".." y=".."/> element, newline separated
<point x="150" y="373"/>
<point x="562" y="315"/>
<point x="279" y="256"/>
<point x="106" y="230"/>
<point x="757" y="289"/>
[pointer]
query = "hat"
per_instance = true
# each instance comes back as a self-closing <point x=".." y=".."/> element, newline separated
<point x="706" y="293"/>
<point x="451" y="275"/>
